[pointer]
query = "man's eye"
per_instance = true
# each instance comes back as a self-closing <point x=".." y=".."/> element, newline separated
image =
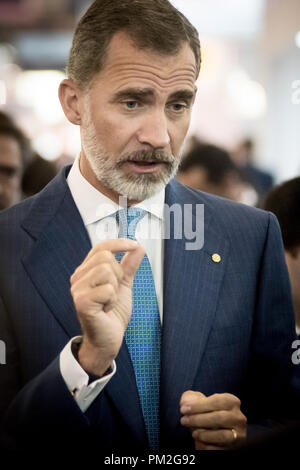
<point x="131" y="104"/>
<point x="8" y="172"/>
<point x="178" y="107"/>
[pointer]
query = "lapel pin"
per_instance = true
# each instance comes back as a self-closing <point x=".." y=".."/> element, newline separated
<point x="216" y="258"/>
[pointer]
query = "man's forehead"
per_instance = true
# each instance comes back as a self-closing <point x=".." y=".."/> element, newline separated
<point x="125" y="62"/>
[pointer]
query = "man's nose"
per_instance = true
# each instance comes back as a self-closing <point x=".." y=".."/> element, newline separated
<point x="154" y="131"/>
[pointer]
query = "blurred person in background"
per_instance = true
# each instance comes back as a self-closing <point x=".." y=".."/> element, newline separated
<point x="284" y="202"/>
<point x="14" y="156"/>
<point x="261" y="181"/>
<point x="210" y="168"/>
<point x="37" y="175"/>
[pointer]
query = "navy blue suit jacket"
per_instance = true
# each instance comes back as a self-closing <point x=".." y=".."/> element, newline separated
<point x="227" y="326"/>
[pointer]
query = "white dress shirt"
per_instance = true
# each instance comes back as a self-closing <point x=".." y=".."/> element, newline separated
<point x="97" y="212"/>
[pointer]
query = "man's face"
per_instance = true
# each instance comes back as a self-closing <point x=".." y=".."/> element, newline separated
<point x="135" y="118"/>
<point x="10" y="171"/>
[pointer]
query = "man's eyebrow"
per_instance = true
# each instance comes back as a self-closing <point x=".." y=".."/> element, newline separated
<point x="136" y="93"/>
<point x="142" y="93"/>
<point x="185" y="95"/>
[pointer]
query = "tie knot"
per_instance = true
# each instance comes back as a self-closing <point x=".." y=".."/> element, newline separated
<point x="128" y="220"/>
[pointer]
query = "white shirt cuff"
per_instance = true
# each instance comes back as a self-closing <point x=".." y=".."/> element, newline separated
<point x="77" y="379"/>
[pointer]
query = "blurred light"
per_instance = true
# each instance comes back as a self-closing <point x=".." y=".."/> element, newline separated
<point x="71" y="141"/>
<point x="249" y="196"/>
<point x="48" y="145"/>
<point x="2" y="92"/>
<point x="43" y="50"/>
<point x="7" y="54"/>
<point x="11" y="69"/>
<point x="39" y="90"/>
<point x="230" y="17"/>
<point x="213" y="56"/>
<point x="297" y="39"/>
<point x="247" y="96"/>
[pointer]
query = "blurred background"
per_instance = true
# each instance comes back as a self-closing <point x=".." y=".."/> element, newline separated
<point x="248" y="99"/>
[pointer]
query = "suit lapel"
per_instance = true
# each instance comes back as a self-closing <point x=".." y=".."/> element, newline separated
<point x="192" y="282"/>
<point x="61" y="244"/>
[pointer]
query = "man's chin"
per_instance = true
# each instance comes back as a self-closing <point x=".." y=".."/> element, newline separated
<point x="134" y="186"/>
<point x="134" y="191"/>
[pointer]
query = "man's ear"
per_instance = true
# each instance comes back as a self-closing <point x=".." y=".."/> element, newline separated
<point x="69" y="96"/>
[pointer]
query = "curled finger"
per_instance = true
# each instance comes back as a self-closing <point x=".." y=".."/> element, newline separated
<point x="219" y="437"/>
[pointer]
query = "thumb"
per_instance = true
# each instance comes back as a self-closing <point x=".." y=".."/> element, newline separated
<point x="131" y="262"/>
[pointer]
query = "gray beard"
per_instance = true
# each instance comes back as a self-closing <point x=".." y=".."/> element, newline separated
<point x="109" y="171"/>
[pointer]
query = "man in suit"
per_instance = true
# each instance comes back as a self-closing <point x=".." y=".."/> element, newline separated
<point x="221" y="323"/>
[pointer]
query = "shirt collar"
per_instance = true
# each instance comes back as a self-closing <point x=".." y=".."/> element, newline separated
<point x="94" y="206"/>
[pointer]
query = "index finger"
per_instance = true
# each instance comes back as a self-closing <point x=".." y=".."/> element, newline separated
<point x="216" y="402"/>
<point x="115" y="246"/>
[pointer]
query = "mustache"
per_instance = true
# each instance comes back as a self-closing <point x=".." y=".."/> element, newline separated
<point x="156" y="156"/>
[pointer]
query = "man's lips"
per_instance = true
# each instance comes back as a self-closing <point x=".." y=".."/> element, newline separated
<point x="144" y="166"/>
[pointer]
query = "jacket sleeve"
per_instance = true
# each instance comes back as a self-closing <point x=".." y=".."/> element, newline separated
<point x="45" y="399"/>
<point x="9" y="367"/>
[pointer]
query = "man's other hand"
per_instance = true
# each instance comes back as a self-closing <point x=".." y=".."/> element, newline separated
<point x="216" y="421"/>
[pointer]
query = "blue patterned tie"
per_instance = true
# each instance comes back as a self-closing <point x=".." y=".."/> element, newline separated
<point x="143" y="334"/>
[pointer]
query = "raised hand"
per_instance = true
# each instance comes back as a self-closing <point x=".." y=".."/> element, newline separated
<point x="102" y="293"/>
